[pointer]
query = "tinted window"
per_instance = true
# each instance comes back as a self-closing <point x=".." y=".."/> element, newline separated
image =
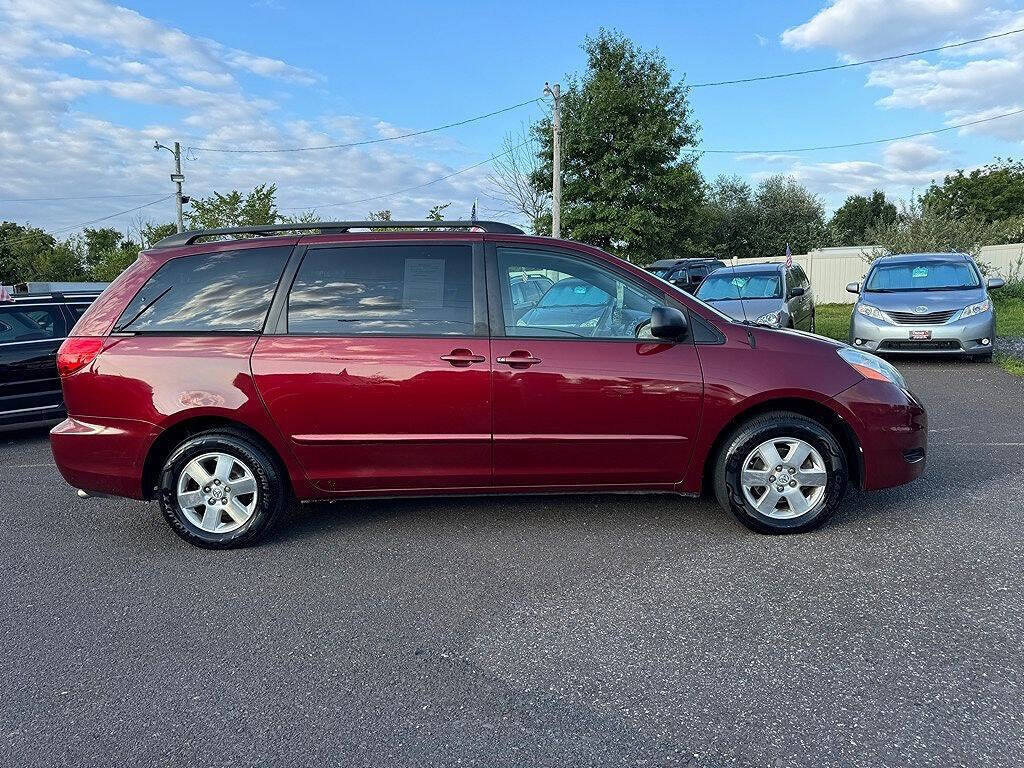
<point x="726" y="285"/>
<point x="923" y="276"/>
<point x="29" y="324"/>
<point x="584" y="300"/>
<point x="411" y="289"/>
<point x="208" y="292"/>
<point x="77" y="310"/>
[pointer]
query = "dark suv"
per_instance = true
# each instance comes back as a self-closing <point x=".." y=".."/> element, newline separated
<point x="32" y="327"/>
<point x="226" y="378"/>
<point x="685" y="273"/>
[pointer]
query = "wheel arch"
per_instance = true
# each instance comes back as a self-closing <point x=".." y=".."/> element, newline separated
<point x="166" y="441"/>
<point x="812" y="409"/>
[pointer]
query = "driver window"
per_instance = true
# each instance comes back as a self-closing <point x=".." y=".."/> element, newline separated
<point x="580" y="299"/>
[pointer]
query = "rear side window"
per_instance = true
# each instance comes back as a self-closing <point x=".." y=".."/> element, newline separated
<point x="29" y="324"/>
<point x="207" y="293"/>
<point x="392" y="290"/>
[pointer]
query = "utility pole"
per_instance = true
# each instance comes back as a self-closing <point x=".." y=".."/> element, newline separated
<point x="556" y="159"/>
<point x="177" y="177"/>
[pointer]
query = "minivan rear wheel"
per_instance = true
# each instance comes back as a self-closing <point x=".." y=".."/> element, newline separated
<point x="780" y="472"/>
<point x="220" y="489"/>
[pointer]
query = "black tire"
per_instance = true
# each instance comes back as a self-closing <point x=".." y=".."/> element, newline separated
<point x="984" y="357"/>
<point x="751" y="434"/>
<point x="273" y="494"/>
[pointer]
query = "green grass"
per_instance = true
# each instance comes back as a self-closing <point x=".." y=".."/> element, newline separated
<point x="833" y="320"/>
<point x="1010" y="364"/>
<point x="1009" y="315"/>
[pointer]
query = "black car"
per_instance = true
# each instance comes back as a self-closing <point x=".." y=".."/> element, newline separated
<point x="32" y="327"/>
<point x="685" y="273"/>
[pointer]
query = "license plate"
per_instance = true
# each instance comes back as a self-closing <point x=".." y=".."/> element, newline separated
<point x="920" y="335"/>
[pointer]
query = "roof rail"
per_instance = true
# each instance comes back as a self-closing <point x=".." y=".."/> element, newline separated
<point x="333" y="227"/>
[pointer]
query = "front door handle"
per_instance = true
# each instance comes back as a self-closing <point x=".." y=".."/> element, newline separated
<point x="518" y="358"/>
<point x="461" y="358"/>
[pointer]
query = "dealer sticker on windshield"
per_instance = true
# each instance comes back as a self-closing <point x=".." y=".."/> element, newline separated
<point x="920" y="335"/>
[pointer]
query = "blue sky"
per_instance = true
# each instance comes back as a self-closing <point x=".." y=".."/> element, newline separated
<point x="86" y="85"/>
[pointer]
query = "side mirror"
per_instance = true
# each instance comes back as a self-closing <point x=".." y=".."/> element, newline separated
<point x="996" y="282"/>
<point x="853" y="287"/>
<point x="798" y="291"/>
<point x="668" y="323"/>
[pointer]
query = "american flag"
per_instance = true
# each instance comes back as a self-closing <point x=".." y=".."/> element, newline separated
<point x="5" y="297"/>
<point x="789" y="257"/>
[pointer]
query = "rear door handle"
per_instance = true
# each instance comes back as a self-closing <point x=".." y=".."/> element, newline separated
<point x="518" y="358"/>
<point x="460" y="358"/>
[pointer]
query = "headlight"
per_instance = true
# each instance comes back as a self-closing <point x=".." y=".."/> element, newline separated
<point x="868" y="311"/>
<point x="872" y="367"/>
<point x="772" y="318"/>
<point x="976" y="309"/>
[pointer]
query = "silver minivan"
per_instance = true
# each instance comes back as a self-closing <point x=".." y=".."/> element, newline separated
<point x="924" y="303"/>
<point x="767" y="294"/>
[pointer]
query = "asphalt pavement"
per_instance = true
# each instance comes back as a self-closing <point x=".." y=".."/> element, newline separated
<point x="553" y="631"/>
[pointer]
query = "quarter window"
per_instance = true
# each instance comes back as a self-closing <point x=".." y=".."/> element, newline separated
<point x="583" y="300"/>
<point x="208" y="293"/>
<point x="394" y="290"/>
<point x="24" y="324"/>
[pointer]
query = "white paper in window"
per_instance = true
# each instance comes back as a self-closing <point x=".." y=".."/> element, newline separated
<point x="424" y="283"/>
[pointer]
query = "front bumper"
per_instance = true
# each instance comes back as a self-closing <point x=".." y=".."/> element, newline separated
<point x="892" y="428"/>
<point x="958" y="337"/>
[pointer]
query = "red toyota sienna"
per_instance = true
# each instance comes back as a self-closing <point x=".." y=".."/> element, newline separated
<point x="227" y="378"/>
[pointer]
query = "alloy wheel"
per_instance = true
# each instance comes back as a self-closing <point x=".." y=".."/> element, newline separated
<point x="784" y="478"/>
<point x="217" y="492"/>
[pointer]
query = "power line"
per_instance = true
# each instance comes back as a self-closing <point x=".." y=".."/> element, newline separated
<point x="80" y="197"/>
<point x="834" y="67"/>
<point x="26" y="238"/>
<point x="490" y="159"/>
<point x="859" y="143"/>
<point x="369" y="141"/>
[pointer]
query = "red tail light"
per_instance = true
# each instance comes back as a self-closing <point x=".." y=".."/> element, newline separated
<point x="76" y="353"/>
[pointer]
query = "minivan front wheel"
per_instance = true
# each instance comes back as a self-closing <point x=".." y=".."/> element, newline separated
<point x="220" y="489"/>
<point x="781" y="472"/>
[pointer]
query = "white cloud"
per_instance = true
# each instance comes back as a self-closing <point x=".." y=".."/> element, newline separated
<point x="54" y="141"/>
<point x="913" y="155"/>
<point x="960" y="84"/>
<point x="867" y="28"/>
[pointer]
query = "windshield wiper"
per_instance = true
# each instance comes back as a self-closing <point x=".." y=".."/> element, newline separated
<point x="137" y="315"/>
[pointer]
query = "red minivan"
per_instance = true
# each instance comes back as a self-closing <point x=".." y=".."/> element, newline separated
<point x="226" y="378"/>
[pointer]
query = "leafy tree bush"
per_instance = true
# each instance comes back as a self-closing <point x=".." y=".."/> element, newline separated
<point x="629" y="183"/>
<point x="853" y="220"/>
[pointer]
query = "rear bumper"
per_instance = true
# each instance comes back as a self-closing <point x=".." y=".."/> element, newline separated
<point x="102" y="458"/>
<point x="892" y="428"/>
<point x="958" y="337"/>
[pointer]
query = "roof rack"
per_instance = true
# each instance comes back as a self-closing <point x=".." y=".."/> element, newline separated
<point x="332" y="228"/>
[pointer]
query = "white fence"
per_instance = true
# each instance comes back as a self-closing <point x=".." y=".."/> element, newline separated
<point x="830" y="269"/>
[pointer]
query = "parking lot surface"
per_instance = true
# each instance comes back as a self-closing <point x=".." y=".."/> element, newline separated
<point x="585" y="630"/>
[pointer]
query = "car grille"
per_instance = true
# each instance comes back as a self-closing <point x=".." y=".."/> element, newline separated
<point x="931" y="318"/>
<point x="910" y="346"/>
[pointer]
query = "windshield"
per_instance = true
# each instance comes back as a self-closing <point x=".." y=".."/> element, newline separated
<point x="922" y="276"/>
<point x="740" y="285"/>
<point x="574" y="293"/>
<point x="659" y="271"/>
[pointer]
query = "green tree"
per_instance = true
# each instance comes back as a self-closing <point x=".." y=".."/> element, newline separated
<point x="994" y="192"/>
<point x="787" y="213"/>
<point x="730" y="217"/>
<point x="151" y="234"/>
<point x="851" y="222"/>
<point x="922" y="228"/>
<point x="29" y="253"/>
<point x="628" y="183"/>
<point x="234" y="209"/>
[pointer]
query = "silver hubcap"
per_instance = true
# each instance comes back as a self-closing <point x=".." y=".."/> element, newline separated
<point x="784" y="478"/>
<point x="217" y="492"/>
